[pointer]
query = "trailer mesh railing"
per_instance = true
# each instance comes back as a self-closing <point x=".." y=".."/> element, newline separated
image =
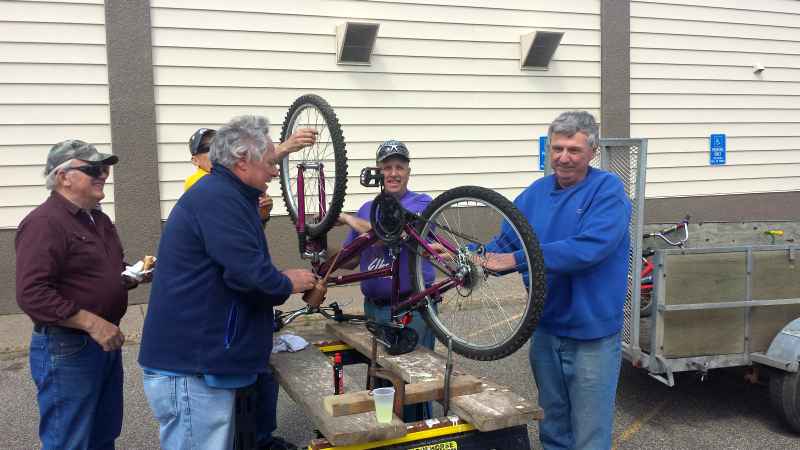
<point x="628" y="159"/>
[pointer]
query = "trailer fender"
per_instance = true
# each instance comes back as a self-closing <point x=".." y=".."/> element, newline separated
<point x="785" y="346"/>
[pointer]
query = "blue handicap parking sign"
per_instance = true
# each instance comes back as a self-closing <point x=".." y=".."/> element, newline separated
<point x="717" y="149"/>
<point x="542" y="151"/>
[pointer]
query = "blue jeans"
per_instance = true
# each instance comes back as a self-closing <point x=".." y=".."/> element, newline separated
<point x="79" y="391"/>
<point x="191" y="415"/>
<point x="577" y="382"/>
<point x="383" y="314"/>
<point x="266" y="408"/>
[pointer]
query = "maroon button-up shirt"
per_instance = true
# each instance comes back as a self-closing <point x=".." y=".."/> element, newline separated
<point x="65" y="263"/>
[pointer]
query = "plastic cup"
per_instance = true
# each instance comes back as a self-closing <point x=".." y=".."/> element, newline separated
<point x="384" y="402"/>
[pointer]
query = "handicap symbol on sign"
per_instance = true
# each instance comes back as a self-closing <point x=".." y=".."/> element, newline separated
<point x="717" y="149"/>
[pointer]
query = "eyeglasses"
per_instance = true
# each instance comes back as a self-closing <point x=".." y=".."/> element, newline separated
<point x="94" y="171"/>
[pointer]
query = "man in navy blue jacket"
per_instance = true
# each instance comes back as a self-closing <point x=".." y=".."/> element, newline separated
<point x="580" y="215"/>
<point x="208" y="330"/>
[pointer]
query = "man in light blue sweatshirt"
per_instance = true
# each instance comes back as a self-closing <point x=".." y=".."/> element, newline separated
<point x="580" y="215"/>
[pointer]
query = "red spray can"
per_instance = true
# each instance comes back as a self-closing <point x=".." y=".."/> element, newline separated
<point x="338" y="374"/>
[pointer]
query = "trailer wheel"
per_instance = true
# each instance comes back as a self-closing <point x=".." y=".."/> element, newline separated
<point x="784" y="393"/>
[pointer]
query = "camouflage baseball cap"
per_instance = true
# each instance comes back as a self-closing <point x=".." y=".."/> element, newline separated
<point x="76" y="149"/>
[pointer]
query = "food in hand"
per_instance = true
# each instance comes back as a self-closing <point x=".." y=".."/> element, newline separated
<point x="149" y="262"/>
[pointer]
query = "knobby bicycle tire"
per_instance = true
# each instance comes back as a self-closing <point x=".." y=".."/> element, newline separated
<point x="530" y="299"/>
<point x="312" y="155"/>
<point x="645" y="304"/>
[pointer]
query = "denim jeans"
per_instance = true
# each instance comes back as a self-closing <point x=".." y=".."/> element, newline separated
<point x="383" y="314"/>
<point x="191" y="415"/>
<point x="577" y="383"/>
<point x="79" y="391"/>
<point x="266" y="408"/>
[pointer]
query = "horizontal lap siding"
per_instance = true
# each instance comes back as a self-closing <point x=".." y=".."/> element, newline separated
<point x="53" y="86"/>
<point x="692" y="75"/>
<point x="444" y="78"/>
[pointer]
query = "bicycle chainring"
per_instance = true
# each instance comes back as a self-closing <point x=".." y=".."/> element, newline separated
<point x="388" y="218"/>
<point x="398" y="341"/>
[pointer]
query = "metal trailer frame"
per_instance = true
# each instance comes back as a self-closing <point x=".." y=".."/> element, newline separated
<point x="663" y="368"/>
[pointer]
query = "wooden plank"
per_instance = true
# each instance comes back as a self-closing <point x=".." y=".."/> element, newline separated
<point x="418" y="366"/>
<point x="359" y="402"/>
<point x="774" y="276"/>
<point x="495" y="408"/>
<point x="307" y="376"/>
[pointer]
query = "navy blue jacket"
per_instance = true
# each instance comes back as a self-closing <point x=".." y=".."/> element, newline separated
<point x="211" y="302"/>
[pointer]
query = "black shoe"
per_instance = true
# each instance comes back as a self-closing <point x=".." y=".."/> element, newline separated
<point x="278" y="443"/>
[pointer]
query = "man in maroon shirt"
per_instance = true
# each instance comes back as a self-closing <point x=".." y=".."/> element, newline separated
<point x="69" y="261"/>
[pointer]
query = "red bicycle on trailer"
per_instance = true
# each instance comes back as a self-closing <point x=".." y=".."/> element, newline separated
<point x="486" y="315"/>
<point x="648" y="267"/>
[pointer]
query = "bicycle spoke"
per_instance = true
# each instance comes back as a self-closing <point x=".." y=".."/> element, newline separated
<point x="320" y="152"/>
<point x="485" y="310"/>
<point x="328" y="154"/>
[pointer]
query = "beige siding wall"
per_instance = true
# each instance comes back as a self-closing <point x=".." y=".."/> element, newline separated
<point x="692" y="75"/>
<point x="53" y="86"/>
<point x="445" y="78"/>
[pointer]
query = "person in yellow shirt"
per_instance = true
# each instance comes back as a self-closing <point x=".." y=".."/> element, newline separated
<point x="199" y="145"/>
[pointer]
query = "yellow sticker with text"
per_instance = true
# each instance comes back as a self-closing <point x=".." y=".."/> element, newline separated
<point x="450" y="445"/>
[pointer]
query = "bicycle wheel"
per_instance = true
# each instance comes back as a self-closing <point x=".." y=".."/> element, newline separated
<point x="645" y="304"/>
<point x="325" y="163"/>
<point x="489" y="315"/>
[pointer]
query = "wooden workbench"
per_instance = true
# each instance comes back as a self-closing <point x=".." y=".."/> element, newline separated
<point x="307" y="377"/>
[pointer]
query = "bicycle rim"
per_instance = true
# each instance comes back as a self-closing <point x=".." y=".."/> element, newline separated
<point x="327" y="154"/>
<point x="490" y="316"/>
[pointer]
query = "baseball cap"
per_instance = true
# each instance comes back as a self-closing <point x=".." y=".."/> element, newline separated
<point x="196" y="141"/>
<point x="76" y="149"/>
<point x="392" y="147"/>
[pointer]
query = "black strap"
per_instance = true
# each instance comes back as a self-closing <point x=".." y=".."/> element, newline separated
<point x="55" y="329"/>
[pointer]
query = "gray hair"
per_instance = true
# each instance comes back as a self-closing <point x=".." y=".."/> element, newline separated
<point x="244" y="137"/>
<point x="571" y="122"/>
<point x="50" y="178"/>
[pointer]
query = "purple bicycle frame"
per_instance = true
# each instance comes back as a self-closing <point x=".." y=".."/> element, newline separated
<point x="300" y="226"/>
<point x="362" y="242"/>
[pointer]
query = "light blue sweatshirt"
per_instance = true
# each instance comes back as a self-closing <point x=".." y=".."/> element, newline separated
<point x="583" y="232"/>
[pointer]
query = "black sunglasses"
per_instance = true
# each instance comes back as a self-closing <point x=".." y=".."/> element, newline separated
<point x="94" y="171"/>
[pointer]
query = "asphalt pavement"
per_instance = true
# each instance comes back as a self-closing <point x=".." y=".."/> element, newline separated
<point x="722" y="412"/>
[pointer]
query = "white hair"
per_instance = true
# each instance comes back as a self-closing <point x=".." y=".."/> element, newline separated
<point x="571" y="122"/>
<point x="50" y="181"/>
<point x="244" y="137"/>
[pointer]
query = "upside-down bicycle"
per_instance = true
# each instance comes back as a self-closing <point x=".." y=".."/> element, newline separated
<point x="486" y="315"/>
